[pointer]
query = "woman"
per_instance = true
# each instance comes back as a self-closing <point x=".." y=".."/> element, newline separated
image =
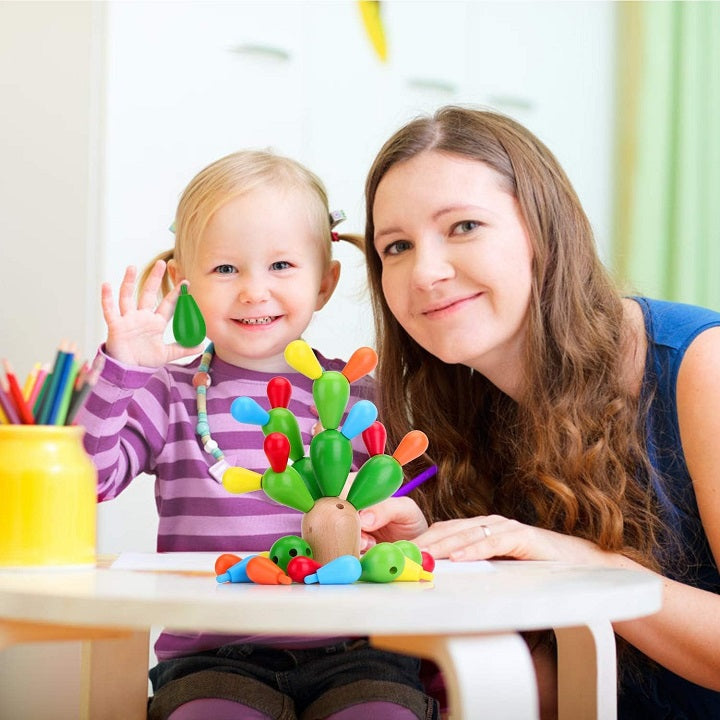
<point x="568" y="423"/>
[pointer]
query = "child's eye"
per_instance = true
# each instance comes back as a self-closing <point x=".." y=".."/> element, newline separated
<point x="397" y="247"/>
<point x="225" y="269"/>
<point x="280" y="265"/>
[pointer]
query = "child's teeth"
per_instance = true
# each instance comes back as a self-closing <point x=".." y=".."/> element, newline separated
<point x="257" y="321"/>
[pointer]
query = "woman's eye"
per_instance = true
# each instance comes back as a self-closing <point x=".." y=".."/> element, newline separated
<point x="280" y="265"/>
<point x="225" y="269"/>
<point x="397" y="247"/>
<point x="466" y="226"/>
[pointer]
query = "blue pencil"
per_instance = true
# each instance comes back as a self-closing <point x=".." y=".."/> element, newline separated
<point x="53" y="382"/>
<point x="65" y="378"/>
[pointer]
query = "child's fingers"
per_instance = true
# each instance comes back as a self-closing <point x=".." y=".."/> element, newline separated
<point x="109" y="310"/>
<point x="166" y="308"/>
<point x="402" y="513"/>
<point x="177" y="352"/>
<point x="366" y="542"/>
<point x="148" y="293"/>
<point x="127" y="290"/>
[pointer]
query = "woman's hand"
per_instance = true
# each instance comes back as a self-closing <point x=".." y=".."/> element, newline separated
<point x="494" y="536"/>
<point x="392" y="519"/>
<point x="136" y="328"/>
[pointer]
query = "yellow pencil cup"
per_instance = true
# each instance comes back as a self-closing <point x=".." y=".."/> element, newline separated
<point x="48" y="497"/>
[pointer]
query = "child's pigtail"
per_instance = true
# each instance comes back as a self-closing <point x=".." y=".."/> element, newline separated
<point x="357" y="240"/>
<point x="336" y="217"/>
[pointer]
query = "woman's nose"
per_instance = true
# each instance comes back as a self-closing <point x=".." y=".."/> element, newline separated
<point x="430" y="266"/>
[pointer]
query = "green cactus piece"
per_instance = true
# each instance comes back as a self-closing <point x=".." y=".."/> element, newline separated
<point x="331" y="456"/>
<point x="188" y="322"/>
<point x="304" y="468"/>
<point x="378" y="478"/>
<point x="287" y="488"/>
<point x="382" y="563"/>
<point x="331" y="392"/>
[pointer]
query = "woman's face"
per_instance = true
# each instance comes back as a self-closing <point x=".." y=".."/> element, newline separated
<point x="456" y="262"/>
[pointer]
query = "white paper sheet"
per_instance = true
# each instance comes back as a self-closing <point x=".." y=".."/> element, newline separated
<point x="205" y="562"/>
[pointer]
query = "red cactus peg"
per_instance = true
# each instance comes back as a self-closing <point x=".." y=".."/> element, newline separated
<point x="277" y="449"/>
<point x="302" y="566"/>
<point x="278" y="392"/>
<point x="374" y="438"/>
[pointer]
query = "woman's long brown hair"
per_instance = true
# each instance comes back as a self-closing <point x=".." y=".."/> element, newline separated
<point x="570" y="456"/>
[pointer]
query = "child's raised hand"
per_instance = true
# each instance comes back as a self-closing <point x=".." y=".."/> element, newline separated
<point x="136" y="327"/>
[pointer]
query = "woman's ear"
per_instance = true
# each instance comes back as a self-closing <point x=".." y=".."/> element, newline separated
<point x="328" y="283"/>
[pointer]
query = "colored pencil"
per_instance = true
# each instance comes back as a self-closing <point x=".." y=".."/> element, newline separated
<point x="417" y="480"/>
<point x="80" y="396"/>
<point x="16" y="396"/>
<point x="38" y="384"/>
<point x="7" y="404"/>
<point x="67" y="394"/>
<point x="49" y="391"/>
<point x="65" y="378"/>
<point x="30" y="381"/>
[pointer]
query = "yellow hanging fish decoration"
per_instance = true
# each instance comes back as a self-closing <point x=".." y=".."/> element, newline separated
<point x="370" y="11"/>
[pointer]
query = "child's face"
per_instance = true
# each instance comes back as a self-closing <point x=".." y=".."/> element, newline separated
<point x="456" y="260"/>
<point x="259" y="275"/>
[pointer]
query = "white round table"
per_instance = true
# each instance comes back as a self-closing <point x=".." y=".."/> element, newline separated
<point x="467" y="620"/>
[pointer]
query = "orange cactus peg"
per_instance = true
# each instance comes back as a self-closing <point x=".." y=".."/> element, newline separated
<point x="225" y="561"/>
<point x="361" y="363"/>
<point x="264" y="571"/>
<point x="412" y="446"/>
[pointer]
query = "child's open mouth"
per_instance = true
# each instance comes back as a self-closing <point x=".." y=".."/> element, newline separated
<point x="266" y="320"/>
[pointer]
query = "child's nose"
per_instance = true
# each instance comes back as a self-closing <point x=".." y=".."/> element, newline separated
<point x="253" y="289"/>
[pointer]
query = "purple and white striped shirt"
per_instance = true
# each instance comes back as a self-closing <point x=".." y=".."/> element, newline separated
<point x="142" y="420"/>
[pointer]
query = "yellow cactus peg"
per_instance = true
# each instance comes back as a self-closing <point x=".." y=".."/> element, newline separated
<point x="240" y="480"/>
<point x="300" y="357"/>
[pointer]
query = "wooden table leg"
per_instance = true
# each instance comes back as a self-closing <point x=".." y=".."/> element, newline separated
<point x="489" y="675"/>
<point x="115" y="678"/>
<point x="587" y="680"/>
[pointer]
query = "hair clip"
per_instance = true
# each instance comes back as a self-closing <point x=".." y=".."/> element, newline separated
<point x="334" y="236"/>
<point x="336" y="217"/>
<point x="172" y="227"/>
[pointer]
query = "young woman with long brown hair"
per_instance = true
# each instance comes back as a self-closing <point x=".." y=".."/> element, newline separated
<point x="568" y="422"/>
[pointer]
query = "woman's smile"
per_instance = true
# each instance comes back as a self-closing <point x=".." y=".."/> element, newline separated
<point x="444" y="308"/>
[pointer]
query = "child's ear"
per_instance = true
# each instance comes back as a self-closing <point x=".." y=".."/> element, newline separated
<point x="328" y="283"/>
<point x="174" y="272"/>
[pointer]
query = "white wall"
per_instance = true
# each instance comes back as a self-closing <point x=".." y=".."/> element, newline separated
<point x="110" y="108"/>
<point x="187" y="83"/>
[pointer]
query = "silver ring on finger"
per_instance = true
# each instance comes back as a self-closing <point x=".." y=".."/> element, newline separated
<point x="486" y="530"/>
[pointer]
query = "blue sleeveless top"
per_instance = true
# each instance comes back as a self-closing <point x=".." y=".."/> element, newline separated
<point x="671" y="327"/>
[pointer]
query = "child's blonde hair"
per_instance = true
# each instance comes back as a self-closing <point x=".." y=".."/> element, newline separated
<point x="235" y="175"/>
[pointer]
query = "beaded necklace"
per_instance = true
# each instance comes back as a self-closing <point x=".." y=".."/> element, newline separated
<point x="201" y="382"/>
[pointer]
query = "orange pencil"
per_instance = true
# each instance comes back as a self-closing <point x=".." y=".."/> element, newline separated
<point x="17" y="397"/>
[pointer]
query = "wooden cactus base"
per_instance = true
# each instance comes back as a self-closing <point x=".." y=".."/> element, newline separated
<point x="332" y="529"/>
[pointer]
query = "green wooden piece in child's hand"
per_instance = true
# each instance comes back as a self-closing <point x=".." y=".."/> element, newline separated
<point x="188" y="322"/>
